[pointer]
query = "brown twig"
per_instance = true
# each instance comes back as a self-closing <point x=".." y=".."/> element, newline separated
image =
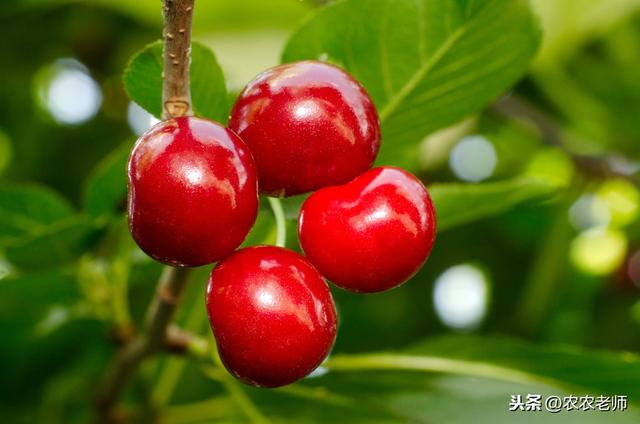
<point x="151" y="341"/>
<point x="176" y="102"/>
<point x="552" y="133"/>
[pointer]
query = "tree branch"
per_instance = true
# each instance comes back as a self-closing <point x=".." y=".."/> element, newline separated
<point x="552" y="134"/>
<point x="159" y="315"/>
<point x="176" y="100"/>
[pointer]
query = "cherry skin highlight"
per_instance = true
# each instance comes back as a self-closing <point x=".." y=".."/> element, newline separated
<point x="192" y="192"/>
<point x="371" y="234"/>
<point x="272" y="315"/>
<point x="309" y="125"/>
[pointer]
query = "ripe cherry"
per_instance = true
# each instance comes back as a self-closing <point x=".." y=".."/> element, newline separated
<point x="309" y="125"/>
<point x="192" y="192"/>
<point x="371" y="234"/>
<point x="272" y="315"/>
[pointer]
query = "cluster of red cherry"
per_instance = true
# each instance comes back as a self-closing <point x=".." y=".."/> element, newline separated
<point x="296" y="128"/>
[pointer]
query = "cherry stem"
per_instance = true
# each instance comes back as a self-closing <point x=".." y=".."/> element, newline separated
<point x="281" y="224"/>
<point x="176" y="96"/>
<point x="176" y="102"/>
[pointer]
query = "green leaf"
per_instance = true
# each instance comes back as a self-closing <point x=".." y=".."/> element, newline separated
<point x="42" y="289"/>
<point x="481" y="374"/>
<point x="426" y="63"/>
<point x="382" y="396"/>
<point x="581" y="22"/>
<point x="513" y="361"/>
<point x="455" y="379"/>
<point x="53" y="245"/>
<point x="39" y="229"/>
<point x="106" y="187"/>
<point x="222" y="16"/>
<point x="26" y="210"/>
<point x="143" y="81"/>
<point x="458" y="204"/>
<point x="26" y="303"/>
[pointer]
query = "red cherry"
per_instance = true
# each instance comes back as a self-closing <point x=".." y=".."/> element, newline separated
<point x="309" y="125"/>
<point x="192" y="192"/>
<point x="272" y="315"/>
<point x="371" y="234"/>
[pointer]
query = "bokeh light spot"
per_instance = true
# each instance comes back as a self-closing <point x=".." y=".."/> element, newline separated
<point x="622" y="199"/>
<point x="589" y="211"/>
<point x="460" y="296"/>
<point x="139" y="119"/>
<point x="69" y="93"/>
<point x="473" y="158"/>
<point x="318" y="372"/>
<point x="598" y="251"/>
<point x="552" y="166"/>
<point x="623" y="164"/>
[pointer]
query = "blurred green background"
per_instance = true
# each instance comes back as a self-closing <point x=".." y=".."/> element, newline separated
<point x="559" y="269"/>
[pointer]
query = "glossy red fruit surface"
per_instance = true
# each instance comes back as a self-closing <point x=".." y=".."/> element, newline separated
<point x="309" y="125"/>
<point x="272" y="315"/>
<point x="192" y="192"/>
<point x="371" y="234"/>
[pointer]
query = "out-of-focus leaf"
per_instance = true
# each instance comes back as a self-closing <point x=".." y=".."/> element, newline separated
<point x="26" y="303"/>
<point x="69" y="397"/>
<point x="106" y="187"/>
<point x="219" y="409"/>
<point x="458" y="204"/>
<point x="56" y="244"/>
<point x="143" y="81"/>
<point x="216" y="16"/>
<point x="430" y="382"/>
<point x="26" y="210"/>
<point x="386" y="397"/>
<point x="592" y="372"/>
<point x="569" y="23"/>
<point x="426" y="64"/>
<point x="41" y="289"/>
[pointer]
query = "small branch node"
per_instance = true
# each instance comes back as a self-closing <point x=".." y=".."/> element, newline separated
<point x="177" y="107"/>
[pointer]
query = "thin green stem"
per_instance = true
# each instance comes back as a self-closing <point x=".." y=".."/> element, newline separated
<point x="237" y="393"/>
<point x="281" y="223"/>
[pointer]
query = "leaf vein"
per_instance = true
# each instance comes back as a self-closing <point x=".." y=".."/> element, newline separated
<point x="422" y="72"/>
